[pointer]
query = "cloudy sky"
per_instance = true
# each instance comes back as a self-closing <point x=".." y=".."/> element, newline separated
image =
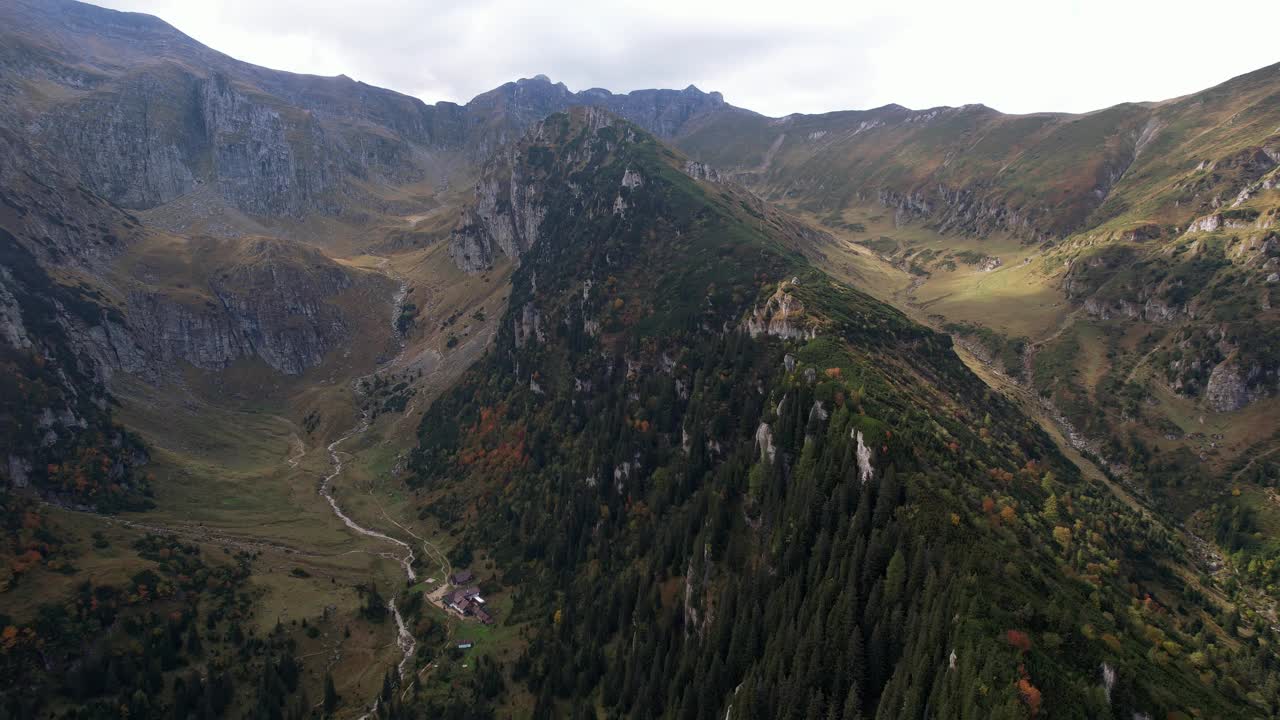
<point x="774" y="57"/>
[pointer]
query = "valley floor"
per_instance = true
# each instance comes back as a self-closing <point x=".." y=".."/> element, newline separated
<point x="304" y="474"/>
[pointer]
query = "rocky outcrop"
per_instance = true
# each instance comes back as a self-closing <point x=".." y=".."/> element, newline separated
<point x="506" y="217"/>
<point x="510" y="198"/>
<point x="702" y="171"/>
<point x="865" y="470"/>
<point x="964" y="210"/>
<point x="1229" y="220"/>
<point x="273" y="303"/>
<point x="527" y="327"/>
<point x="764" y="442"/>
<point x="60" y="438"/>
<point x="1152" y="310"/>
<point x="782" y="315"/>
<point x="1226" y="390"/>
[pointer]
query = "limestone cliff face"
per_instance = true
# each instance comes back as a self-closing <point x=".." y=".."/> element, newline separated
<point x="161" y="134"/>
<point x="1235" y="383"/>
<point x="782" y="315"/>
<point x="505" y="217"/>
<point x="55" y="408"/>
<point x="145" y="115"/>
<point x="1226" y="390"/>
<point x="507" y="214"/>
<point x="964" y="210"/>
<point x="252" y="298"/>
<point x="271" y="307"/>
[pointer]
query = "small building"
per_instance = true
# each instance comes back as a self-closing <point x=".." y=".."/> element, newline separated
<point x="483" y="615"/>
<point x="465" y="645"/>
<point x="465" y="600"/>
<point x="461" y="577"/>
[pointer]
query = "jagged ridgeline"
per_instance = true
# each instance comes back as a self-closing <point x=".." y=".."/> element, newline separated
<point x="723" y="484"/>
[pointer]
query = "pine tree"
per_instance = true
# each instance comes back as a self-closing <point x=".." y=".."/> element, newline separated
<point x="331" y="696"/>
<point x="895" y="578"/>
<point x="193" y="645"/>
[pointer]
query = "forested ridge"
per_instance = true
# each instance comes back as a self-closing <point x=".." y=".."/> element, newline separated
<point x="319" y="401"/>
<point x="680" y="508"/>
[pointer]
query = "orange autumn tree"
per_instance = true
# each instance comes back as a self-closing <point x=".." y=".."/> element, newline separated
<point x="494" y="449"/>
<point x="1030" y="695"/>
<point x="1019" y="640"/>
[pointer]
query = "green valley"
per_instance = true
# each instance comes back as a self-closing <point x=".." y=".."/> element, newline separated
<point x="322" y="401"/>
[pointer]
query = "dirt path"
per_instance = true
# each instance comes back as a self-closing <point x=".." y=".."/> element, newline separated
<point x="1025" y="398"/>
<point x="197" y="533"/>
<point x="1235" y="477"/>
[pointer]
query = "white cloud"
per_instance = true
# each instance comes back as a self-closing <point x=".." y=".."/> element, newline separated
<point x="777" y="58"/>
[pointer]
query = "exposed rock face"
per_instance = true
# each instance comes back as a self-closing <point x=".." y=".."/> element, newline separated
<point x="156" y="136"/>
<point x="1231" y="220"/>
<point x="276" y="313"/>
<point x="818" y="412"/>
<point x="1208" y="223"/>
<point x="509" y="207"/>
<point x="782" y="315"/>
<point x="1226" y="390"/>
<point x="117" y="147"/>
<point x="528" y="326"/>
<point x="702" y="171"/>
<point x="61" y="414"/>
<point x="865" y="470"/>
<point x="506" y="217"/>
<point x="964" y="210"/>
<point x="1152" y="310"/>
<point x="146" y="115"/>
<point x="764" y="441"/>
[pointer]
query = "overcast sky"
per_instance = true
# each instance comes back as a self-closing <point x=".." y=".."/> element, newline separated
<point x="778" y="57"/>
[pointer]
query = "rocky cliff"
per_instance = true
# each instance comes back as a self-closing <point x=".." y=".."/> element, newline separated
<point x="205" y="301"/>
<point x="507" y="213"/>
<point x="262" y="299"/>
<point x="146" y="115"/>
<point x="57" y="435"/>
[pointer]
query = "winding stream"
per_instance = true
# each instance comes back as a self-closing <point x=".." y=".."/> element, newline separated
<point x="404" y="638"/>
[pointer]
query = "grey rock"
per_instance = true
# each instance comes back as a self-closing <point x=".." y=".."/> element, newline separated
<point x="1226" y="390"/>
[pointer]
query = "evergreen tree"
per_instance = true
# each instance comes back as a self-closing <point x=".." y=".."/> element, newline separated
<point x="331" y="697"/>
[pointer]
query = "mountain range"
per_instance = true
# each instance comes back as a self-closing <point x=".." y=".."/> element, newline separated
<point x="322" y="400"/>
